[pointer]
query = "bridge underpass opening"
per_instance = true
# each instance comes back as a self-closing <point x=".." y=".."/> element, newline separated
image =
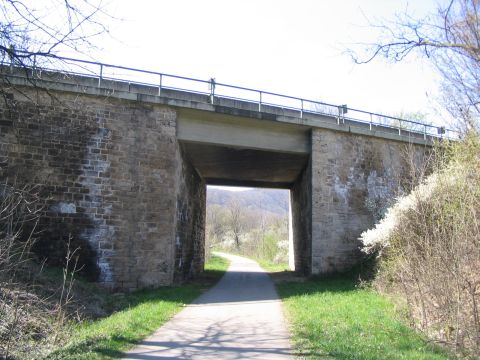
<point x="219" y="165"/>
<point x="253" y="222"/>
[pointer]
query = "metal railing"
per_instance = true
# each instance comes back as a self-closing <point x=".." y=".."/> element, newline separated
<point x="299" y="107"/>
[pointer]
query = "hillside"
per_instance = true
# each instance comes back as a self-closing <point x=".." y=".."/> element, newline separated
<point x="270" y="200"/>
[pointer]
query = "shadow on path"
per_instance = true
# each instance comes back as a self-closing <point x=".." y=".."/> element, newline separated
<point x="241" y="317"/>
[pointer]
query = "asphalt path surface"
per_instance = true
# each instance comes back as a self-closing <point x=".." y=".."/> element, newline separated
<point x="239" y="318"/>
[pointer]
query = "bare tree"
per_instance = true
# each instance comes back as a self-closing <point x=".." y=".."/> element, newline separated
<point x="34" y="33"/>
<point x="236" y="220"/>
<point x="450" y="40"/>
<point x="215" y="227"/>
<point x="29" y="28"/>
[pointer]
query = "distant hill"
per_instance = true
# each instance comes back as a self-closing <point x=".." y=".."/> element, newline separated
<point x="270" y="200"/>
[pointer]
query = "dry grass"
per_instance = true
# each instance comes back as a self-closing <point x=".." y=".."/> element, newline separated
<point x="34" y="305"/>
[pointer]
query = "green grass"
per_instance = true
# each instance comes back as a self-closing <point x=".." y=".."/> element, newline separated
<point x="216" y="266"/>
<point x="332" y="318"/>
<point x="142" y="313"/>
<point x="270" y="266"/>
<point x="265" y="264"/>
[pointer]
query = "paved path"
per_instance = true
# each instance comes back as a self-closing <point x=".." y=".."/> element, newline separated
<point x="240" y="318"/>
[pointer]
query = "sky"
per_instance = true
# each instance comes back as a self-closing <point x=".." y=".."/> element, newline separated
<point x="295" y="48"/>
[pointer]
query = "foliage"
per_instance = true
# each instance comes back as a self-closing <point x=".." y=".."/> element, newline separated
<point x="34" y="33"/>
<point x="264" y="238"/>
<point x="248" y="230"/>
<point x="449" y="39"/>
<point x="48" y="27"/>
<point x="334" y="318"/>
<point x="32" y="311"/>
<point x="429" y="246"/>
<point x="416" y="121"/>
<point x="269" y="245"/>
<point x="236" y="221"/>
<point x="18" y="218"/>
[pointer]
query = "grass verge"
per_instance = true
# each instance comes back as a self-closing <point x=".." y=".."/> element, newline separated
<point x="267" y="265"/>
<point x="332" y="318"/>
<point x="271" y="266"/>
<point x="140" y="314"/>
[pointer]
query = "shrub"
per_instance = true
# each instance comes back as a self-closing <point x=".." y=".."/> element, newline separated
<point x="33" y="312"/>
<point x="429" y="248"/>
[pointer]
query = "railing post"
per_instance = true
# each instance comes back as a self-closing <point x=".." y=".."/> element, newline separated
<point x="12" y="57"/>
<point x="160" y="86"/>
<point x="342" y="110"/>
<point x="399" y="127"/>
<point x="371" y="121"/>
<point x="101" y="75"/>
<point x="34" y="64"/>
<point x="424" y="132"/>
<point x="301" y="109"/>
<point x="212" y="90"/>
<point x="260" y="103"/>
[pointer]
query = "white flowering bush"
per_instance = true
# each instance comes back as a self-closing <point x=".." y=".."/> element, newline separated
<point x="428" y="249"/>
<point x="377" y="238"/>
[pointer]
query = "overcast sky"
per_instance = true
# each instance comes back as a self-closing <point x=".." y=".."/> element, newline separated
<point x="291" y="47"/>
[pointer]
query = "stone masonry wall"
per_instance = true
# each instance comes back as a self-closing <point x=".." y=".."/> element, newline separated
<point x="301" y="203"/>
<point x="191" y="213"/>
<point x="42" y="146"/>
<point x="117" y="185"/>
<point x="347" y="170"/>
<point x="107" y="170"/>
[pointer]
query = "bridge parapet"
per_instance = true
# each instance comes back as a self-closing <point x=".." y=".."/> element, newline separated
<point x="134" y="84"/>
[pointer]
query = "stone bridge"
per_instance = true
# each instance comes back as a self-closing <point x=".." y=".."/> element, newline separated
<point x="123" y="170"/>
